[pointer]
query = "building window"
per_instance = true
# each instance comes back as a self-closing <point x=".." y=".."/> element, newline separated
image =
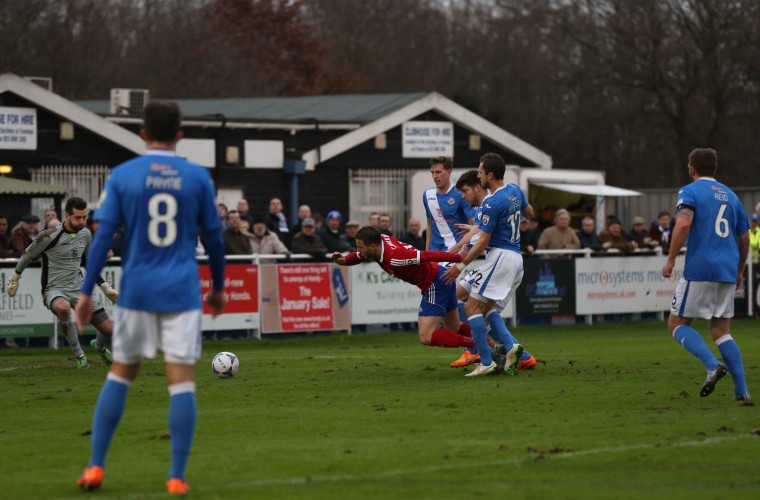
<point x="383" y="191"/>
<point x="84" y="181"/>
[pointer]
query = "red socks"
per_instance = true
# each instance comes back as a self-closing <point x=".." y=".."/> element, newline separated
<point x="464" y="330"/>
<point x="446" y="338"/>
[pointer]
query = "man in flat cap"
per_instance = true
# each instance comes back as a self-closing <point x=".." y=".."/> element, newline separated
<point x="24" y="234"/>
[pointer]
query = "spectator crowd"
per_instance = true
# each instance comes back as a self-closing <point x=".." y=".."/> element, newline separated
<point x="248" y="233"/>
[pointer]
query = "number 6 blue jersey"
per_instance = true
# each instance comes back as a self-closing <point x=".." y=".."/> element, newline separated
<point x="712" y="251"/>
<point x="162" y="200"/>
<point x="501" y="217"/>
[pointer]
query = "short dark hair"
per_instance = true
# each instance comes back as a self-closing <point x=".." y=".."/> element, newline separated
<point x="446" y="161"/>
<point x="369" y="235"/>
<point x="469" y="178"/>
<point x="663" y="212"/>
<point x="704" y="161"/>
<point x="161" y="120"/>
<point x="75" y="203"/>
<point x="495" y="164"/>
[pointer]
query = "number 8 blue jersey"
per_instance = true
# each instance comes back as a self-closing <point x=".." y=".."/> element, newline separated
<point x="712" y="250"/>
<point x="163" y="201"/>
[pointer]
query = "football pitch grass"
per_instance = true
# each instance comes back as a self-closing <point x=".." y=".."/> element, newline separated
<point x="611" y="411"/>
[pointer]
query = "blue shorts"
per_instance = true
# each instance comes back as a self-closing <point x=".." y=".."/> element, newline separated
<point x="439" y="298"/>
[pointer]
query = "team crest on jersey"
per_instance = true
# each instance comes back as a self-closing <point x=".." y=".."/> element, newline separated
<point x="485" y="219"/>
<point x="451" y="201"/>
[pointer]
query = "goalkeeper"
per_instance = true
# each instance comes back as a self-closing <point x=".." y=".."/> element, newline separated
<point x="63" y="250"/>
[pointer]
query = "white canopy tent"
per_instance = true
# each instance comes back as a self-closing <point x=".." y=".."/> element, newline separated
<point x="592" y="189"/>
<point x="601" y="191"/>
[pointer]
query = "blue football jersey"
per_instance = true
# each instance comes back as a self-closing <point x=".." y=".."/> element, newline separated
<point x="500" y="217"/>
<point x="162" y="201"/>
<point x="712" y="251"/>
<point x="443" y="211"/>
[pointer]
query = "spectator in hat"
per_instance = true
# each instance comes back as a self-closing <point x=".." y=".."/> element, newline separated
<point x="24" y="234"/>
<point x="754" y="237"/>
<point x="263" y="241"/>
<point x="352" y="227"/>
<point x="640" y="235"/>
<point x="614" y="236"/>
<point x="331" y="233"/>
<point x="307" y="241"/>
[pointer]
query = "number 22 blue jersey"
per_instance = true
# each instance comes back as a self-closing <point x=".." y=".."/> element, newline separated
<point x="712" y="251"/>
<point x="162" y="200"/>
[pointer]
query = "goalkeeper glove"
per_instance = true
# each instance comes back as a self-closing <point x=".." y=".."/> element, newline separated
<point x="13" y="285"/>
<point x="112" y="294"/>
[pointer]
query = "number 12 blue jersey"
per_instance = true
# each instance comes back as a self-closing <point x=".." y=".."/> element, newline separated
<point x="162" y="200"/>
<point x="712" y="251"/>
<point x="501" y="217"/>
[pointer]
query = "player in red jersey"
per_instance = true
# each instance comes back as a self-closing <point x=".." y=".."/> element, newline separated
<point x="420" y="268"/>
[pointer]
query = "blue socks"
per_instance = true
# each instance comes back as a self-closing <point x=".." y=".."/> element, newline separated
<point x="499" y="329"/>
<point x="182" y="411"/>
<point x="107" y="414"/>
<point x="733" y="358"/>
<point x="110" y="407"/>
<point x="480" y="337"/>
<point x="502" y="333"/>
<point x="693" y="342"/>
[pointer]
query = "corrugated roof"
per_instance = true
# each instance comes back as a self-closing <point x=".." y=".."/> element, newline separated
<point x="10" y="185"/>
<point x="354" y="108"/>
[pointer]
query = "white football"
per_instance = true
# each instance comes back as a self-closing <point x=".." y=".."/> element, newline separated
<point x="225" y="365"/>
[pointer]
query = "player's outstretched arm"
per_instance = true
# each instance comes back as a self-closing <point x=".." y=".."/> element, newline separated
<point x="37" y="248"/>
<point x="338" y="258"/>
<point x="439" y="256"/>
<point x="350" y="259"/>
